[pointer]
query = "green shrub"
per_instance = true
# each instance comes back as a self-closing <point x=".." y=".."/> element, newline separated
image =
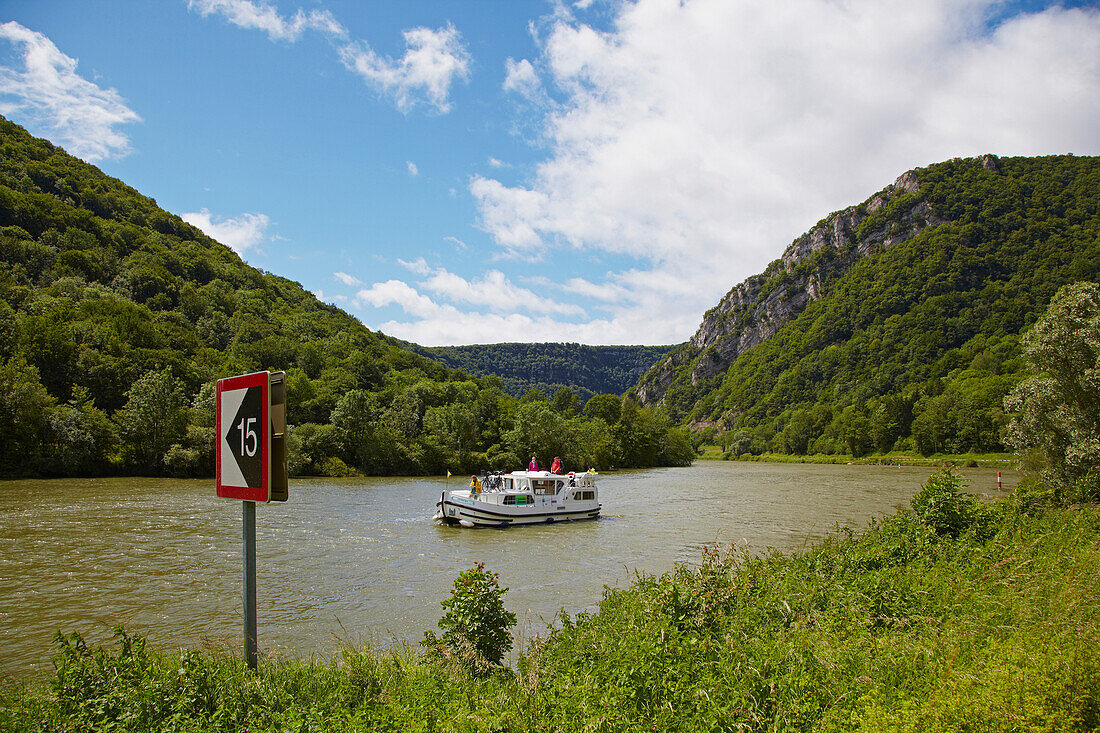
<point x="1032" y="494"/>
<point x="942" y="505"/>
<point x="476" y="626"/>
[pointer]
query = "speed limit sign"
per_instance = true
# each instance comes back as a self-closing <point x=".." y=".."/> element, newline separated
<point x="244" y="454"/>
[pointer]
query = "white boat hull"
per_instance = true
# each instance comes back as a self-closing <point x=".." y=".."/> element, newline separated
<point x="468" y="512"/>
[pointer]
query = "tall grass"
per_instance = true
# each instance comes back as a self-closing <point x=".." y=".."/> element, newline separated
<point x="907" y="626"/>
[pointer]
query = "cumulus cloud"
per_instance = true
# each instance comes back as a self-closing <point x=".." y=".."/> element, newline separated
<point x="349" y="280"/>
<point x="446" y="308"/>
<point x="53" y="100"/>
<point x="413" y="170"/>
<point x="495" y="291"/>
<point x="520" y="77"/>
<point x="264" y="17"/>
<point x="433" y="60"/>
<point x="696" y="140"/>
<point x="239" y="234"/>
<point x="396" y="292"/>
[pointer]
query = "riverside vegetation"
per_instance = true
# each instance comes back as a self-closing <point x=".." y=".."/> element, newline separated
<point x="954" y="615"/>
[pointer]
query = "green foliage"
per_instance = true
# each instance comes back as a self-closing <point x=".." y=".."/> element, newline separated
<point x="24" y="412"/>
<point x="942" y="505"/>
<point x="550" y="367"/>
<point x="117" y="318"/>
<point x="1057" y="411"/>
<point x="153" y="418"/>
<point x="476" y="626"/>
<point x="920" y="338"/>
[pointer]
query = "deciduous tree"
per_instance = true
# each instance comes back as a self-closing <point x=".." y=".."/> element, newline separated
<point x="1057" y="411"/>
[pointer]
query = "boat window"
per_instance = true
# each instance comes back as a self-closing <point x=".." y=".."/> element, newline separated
<point x="584" y="495"/>
<point x="508" y="484"/>
<point x="544" y="487"/>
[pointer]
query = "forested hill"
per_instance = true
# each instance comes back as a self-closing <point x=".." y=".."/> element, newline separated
<point x="549" y="367"/>
<point x="116" y="318"/>
<point x="894" y="323"/>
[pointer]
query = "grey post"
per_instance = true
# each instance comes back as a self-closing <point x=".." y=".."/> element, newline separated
<point x="248" y="530"/>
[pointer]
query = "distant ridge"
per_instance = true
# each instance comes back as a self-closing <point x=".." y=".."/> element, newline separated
<point x="548" y="367"/>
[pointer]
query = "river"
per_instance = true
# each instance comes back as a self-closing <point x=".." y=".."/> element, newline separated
<point x="359" y="560"/>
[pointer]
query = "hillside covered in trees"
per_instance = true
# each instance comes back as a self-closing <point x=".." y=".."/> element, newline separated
<point x="117" y="318"/>
<point x="549" y="367"/>
<point x="894" y="324"/>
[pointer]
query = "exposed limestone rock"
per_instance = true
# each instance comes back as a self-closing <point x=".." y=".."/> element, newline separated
<point x="760" y="306"/>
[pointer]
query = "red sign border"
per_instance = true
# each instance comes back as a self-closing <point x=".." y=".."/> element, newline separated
<point x="244" y="493"/>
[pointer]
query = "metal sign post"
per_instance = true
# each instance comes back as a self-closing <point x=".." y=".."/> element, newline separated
<point x="250" y="465"/>
<point x="251" y="635"/>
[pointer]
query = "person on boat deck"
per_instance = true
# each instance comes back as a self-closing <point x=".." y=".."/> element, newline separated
<point x="555" y="467"/>
<point x="475" y="485"/>
<point x="533" y="465"/>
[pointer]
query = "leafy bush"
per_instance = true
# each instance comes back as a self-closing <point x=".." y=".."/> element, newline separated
<point x="1032" y="494"/>
<point x="476" y="626"/>
<point x="943" y="506"/>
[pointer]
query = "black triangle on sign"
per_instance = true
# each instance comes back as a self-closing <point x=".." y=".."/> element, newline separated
<point x="245" y="437"/>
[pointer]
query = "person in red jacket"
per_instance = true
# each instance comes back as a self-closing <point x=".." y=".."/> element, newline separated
<point x="555" y="467"/>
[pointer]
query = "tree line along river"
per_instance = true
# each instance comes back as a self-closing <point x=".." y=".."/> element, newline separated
<point x="359" y="560"/>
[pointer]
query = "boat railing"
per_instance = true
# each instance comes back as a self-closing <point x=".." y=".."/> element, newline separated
<point x="493" y="481"/>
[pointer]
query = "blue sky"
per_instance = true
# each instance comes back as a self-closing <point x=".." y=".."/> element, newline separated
<point x="508" y="170"/>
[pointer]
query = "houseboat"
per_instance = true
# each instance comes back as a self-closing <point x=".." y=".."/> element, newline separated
<point x="521" y="497"/>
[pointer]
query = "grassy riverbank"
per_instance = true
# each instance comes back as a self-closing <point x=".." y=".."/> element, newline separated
<point x="896" y="458"/>
<point x="904" y="626"/>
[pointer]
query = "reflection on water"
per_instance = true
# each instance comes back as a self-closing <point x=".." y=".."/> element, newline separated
<point x="352" y="560"/>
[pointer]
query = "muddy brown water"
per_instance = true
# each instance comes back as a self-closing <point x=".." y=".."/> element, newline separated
<point x="359" y="560"/>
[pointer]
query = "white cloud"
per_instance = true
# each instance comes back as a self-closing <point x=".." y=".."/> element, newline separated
<point x="606" y="292"/>
<point x="349" y="280"/>
<point x="520" y="77"/>
<point x="433" y="59"/>
<point x="239" y="234"/>
<point x="413" y="170"/>
<point x="395" y="292"/>
<point x="418" y="266"/>
<point x="495" y="291"/>
<point x="698" y="139"/>
<point x="264" y="17"/>
<point x="497" y="163"/>
<point x="52" y="100"/>
<point x="512" y="215"/>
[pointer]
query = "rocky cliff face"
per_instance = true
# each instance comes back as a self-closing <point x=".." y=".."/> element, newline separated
<point x="757" y="308"/>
